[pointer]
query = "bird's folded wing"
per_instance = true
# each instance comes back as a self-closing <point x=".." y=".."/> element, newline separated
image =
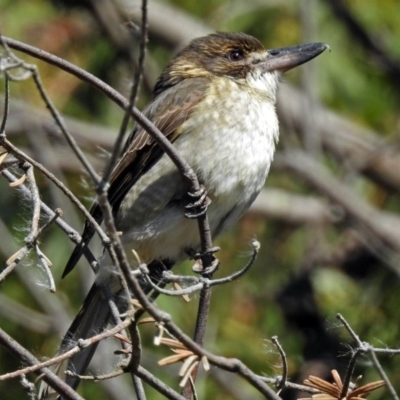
<point x="167" y="112"/>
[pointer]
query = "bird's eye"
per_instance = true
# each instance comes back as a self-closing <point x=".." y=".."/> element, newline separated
<point x="236" y="55"/>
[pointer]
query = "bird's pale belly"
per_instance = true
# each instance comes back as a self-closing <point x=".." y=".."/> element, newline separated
<point x="231" y="156"/>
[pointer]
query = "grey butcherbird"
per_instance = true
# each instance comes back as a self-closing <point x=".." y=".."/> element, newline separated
<point x="215" y="102"/>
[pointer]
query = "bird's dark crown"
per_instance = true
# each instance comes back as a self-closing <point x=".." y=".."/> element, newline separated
<point x="220" y="54"/>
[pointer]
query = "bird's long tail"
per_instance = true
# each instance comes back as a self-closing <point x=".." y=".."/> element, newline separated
<point x="92" y="318"/>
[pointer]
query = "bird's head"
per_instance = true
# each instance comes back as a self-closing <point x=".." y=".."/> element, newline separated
<point x="237" y="56"/>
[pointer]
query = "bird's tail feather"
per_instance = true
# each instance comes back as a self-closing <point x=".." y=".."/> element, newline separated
<point x="92" y="318"/>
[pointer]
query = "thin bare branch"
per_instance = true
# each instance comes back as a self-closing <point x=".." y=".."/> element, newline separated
<point x="23" y="157"/>
<point x="82" y="344"/>
<point x="132" y="98"/>
<point x="6" y="103"/>
<point x="285" y="369"/>
<point x="157" y="384"/>
<point x="27" y="358"/>
<point x="382" y="373"/>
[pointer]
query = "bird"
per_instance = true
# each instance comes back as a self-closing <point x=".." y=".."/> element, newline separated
<point x="215" y="102"/>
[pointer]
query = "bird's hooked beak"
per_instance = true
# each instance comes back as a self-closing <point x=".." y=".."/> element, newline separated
<point x="287" y="58"/>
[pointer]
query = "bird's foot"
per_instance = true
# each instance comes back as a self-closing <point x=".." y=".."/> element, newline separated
<point x="199" y="204"/>
<point x="207" y="258"/>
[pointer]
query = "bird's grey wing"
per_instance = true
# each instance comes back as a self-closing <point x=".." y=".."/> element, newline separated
<point x="167" y="112"/>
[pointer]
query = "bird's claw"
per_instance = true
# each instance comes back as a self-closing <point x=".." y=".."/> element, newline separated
<point x="199" y="269"/>
<point x="199" y="206"/>
<point x="198" y="266"/>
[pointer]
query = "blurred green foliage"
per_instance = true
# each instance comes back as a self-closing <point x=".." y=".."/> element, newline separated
<point x="245" y="314"/>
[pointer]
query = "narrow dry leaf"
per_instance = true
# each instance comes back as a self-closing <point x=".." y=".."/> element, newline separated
<point x="322" y="385"/>
<point x="12" y="258"/>
<point x="136" y="255"/>
<point x="179" y="287"/>
<point x="3" y="157"/>
<point x="19" y="181"/>
<point x="146" y="320"/>
<point x="136" y="304"/>
<point x="122" y="351"/>
<point x="46" y="259"/>
<point x="205" y="363"/>
<point x="179" y="351"/>
<point x="159" y="336"/>
<point x="333" y="391"/>
<point x="173" y="343"/>
<point x="188" y="362"/>
<point x="188" y="373"/>
<point x="169" y="360"/>
<point x="179" y="356"/>
<point x="366" y="389"/>
<point x="336" y="378"/>
<point x="123" y="338"/>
